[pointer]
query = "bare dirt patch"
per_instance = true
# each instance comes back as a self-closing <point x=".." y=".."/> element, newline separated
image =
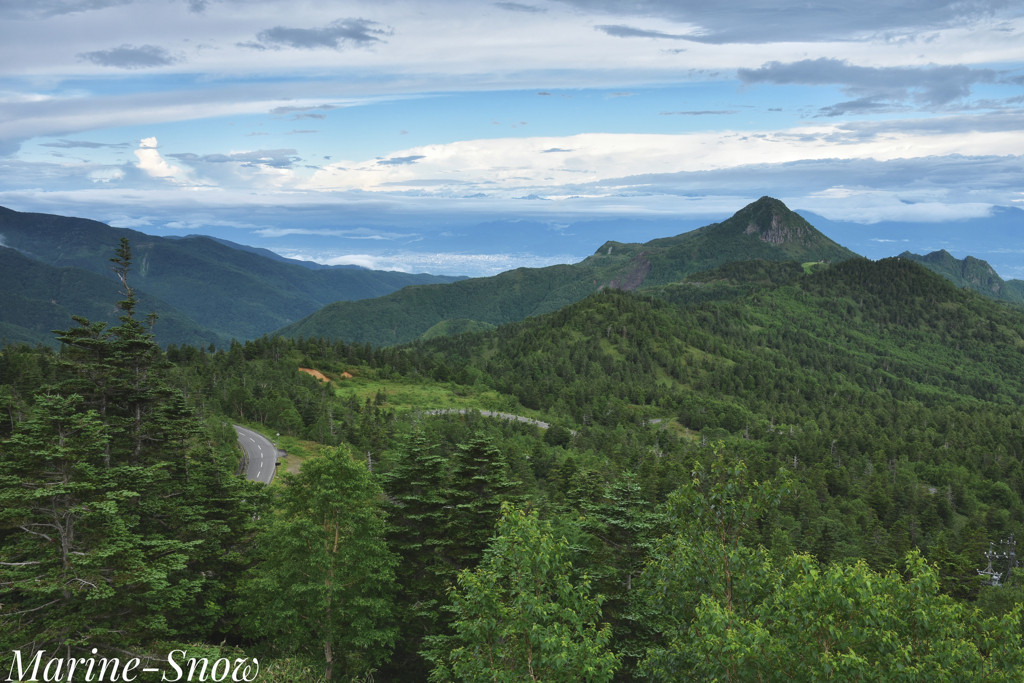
<point x="316" y="373"/>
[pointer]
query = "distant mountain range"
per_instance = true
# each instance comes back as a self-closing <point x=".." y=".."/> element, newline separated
<point x="992" y="237"/>
<point x="312" y="265"/>
<point x="225" y="292"/>
<point x="209" y="290"/>
<point x="765" y="230"/>
<point x="971" y="273"/>
<point x="37" y="298"/>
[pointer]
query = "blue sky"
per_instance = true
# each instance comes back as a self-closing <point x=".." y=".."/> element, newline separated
<point x="471" y="137"/>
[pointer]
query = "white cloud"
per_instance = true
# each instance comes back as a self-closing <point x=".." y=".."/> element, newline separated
<point x="507" y="166"/>
<point x="105" y="175"/>
<point x="155" y="165"/>
<point x="129" y="222"/>
<point x="443" y="263"/>
<point x="872" y="207"/>
<point x="197" y="223"/>
<point x="354" y="233"/>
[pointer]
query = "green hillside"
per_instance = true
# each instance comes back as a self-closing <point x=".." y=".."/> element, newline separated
<point x="777" y="447"/>
<point x="889" y="396"/>
<point x="237" y="293"/>
<point x="764" y="230"/>
<point x="38" y="298"/>
<point x="889" y="327"/>
<point x="972" y="273"/>
<point x="450" y="328"/>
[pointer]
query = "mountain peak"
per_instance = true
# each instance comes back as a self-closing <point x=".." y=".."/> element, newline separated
<point x="773" y="222"/>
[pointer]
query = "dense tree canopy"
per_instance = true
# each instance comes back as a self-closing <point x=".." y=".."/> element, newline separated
<point x="883" y="402"/>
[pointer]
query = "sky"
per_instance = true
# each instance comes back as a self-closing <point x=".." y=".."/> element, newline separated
<point x="472" y="137"/>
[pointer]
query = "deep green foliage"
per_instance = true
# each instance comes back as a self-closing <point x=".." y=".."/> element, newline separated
<point x="323" y="583"/>
<point x="443" y="511"/>
<point x="115" y="498"/>
<point x="39" y="298"/>
<point x="449" y="328"/>
<point x="519" y="616"/>
<point x="892" y="395"/>
<point x="726" y="613"/>
<point x="889" y="396"/>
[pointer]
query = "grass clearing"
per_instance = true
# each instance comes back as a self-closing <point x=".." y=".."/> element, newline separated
<point x="298" y="452"/>
<point x="409" y="396"/>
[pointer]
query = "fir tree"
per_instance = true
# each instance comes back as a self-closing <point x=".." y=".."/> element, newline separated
<point x="418" y="501"/>
<point x="479" y="484"/>
<point x="167" y="522"/>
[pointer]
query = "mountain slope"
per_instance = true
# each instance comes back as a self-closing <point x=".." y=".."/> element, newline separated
<point x="765" y="230"/>
<point x="311" y="265"/>
<point x="972" y="273"/>
<point x="234" y="292"/>
<point x="892" y="397"/>
<point x="889" y="330"/>
<point x="38" y="298"/>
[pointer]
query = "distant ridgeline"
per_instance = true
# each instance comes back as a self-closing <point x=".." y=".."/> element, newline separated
<point x="205" y="290"/>
<point x="209" y="291"/>
<point x="971" y="273"/>
<point x="766" y="230"/>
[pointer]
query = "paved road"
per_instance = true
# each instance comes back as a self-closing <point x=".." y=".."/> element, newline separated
<point x="262" y="455"/>
<point x="488" y="413"/>
<point x="520" y="418"/>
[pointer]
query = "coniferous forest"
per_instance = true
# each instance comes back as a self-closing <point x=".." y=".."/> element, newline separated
<point x="765" y="472"/>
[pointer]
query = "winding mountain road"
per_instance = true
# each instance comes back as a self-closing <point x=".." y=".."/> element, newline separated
<point x="261" y="452"/>
<point x="488" y="413"/>
<point x="519" y="418"/>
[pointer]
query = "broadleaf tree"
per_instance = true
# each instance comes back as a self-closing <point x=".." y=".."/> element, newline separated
<point x="324" y="586"/>
<point x="520" y="616"/>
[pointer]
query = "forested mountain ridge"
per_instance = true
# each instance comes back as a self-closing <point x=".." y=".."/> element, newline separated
<point x="970" y="272"/>
<point x="889" y="326"/>
<point x="765" y="229"/>
<point x="892" y="396"/>
<point x="39" y="298"/>
<point x="236" y="293"/>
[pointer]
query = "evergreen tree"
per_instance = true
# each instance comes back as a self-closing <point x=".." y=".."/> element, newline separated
<point x="167" y="522"/>
<point x="76" y="570"/>
<point x="479" y="483"/>
<point x="418" y="500"/>
<point x="630" y="529"/>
